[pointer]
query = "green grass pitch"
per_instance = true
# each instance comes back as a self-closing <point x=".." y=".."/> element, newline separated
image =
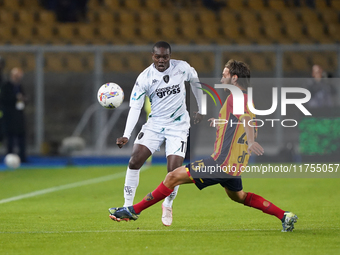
<point x="69" y="215"/>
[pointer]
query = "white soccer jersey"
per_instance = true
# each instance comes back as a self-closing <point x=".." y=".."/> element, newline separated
<point x="166" y="91"/>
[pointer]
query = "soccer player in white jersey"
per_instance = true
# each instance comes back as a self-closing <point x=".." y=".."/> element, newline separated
<point x="164" y="83"/>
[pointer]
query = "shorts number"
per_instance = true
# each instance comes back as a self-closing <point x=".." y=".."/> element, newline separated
<point x="183" y="147"/>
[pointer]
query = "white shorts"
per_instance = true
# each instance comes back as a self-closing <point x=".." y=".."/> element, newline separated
<point x="175" y="140"/>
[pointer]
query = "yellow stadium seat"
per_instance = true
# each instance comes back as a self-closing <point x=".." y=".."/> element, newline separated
<point x="150" y="34"/>
<point x="289" y="16"/>
<point x="135" y="64"/>
<point x="296" y="61"/>
<point x="170" y="32"/>
<point x="231" y="31"/>
<point x="106" y="17"/>
<point x="30" y="5"/>
<point x="127" y="17"/>
<point x="55" y="62"/>
<point x="112" y="4"/>
<point x="7" y="17"/>
<point x="268" y="17"/>
<point x="128" y="33"/>
<point x="334" y="32"/>
<point x="336" y="5"/>
<point x="66" y="32"/>
<point x="93" y="4"/>
<point x="236" y="5"/>
<point x="146" y="18"/>
<point x="167" y="18"/>
<point x="23" y="35"/>
<point x="153" y="5"/>
<point x="13" y="60"/>
<point x="86" y="32"/>
<point x="45" y="34"/>
<point x="190" y="33"/>
<point x="113" y="62"/>
<point x="187" y="18"/>
<point x="317" y="32"/>
<point x="259" y="62"/>
<point x="74" y="63"/>
<point x="309" y="16"/>
<point x="256" y="34"/>
<point x="28" y="62"/>
<point x="6" y="34"/>
<point x="46" y="17"/>
<point x="106" y="32"/>
<point x="207" y="17"/>
<point x="249" y="17"/>
<point x="227" y="17"/>
<point x="295" y="32"/>
<point x="133" y="4"/>
<point x="274" y="31"/>
<point x="11" y="4"/>
<point x="198" y="62"/>
<point x="277" y="4"/>
<point x="321" y="5"/>
<point x="256" y="4"/>
<point x="26" y="17"/>
<point x="211" y="32"/>
<point x="330" y="16"/>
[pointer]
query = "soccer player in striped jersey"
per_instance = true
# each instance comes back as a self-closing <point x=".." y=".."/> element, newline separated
<point x="164" y="83"/>
<point x="233" y="145"/>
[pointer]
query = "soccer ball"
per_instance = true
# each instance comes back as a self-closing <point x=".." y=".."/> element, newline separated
<point x="110" y="95"/>
<point x="12" y="160"/>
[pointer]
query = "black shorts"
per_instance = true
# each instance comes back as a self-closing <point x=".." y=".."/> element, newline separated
<point x="202" y="180"/>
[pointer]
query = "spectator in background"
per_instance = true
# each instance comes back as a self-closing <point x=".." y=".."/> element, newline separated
<point x="12" y="100"/>
<point x="321" y="91"/>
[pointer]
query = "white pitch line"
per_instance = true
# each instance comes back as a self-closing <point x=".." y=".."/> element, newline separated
<point x="66" y="186"/>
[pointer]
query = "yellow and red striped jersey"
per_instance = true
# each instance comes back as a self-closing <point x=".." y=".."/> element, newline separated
<point x="231" y="145"/>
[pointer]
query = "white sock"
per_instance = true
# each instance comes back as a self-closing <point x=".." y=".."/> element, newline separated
<point x="130" y="186"/>
<point x="170" y="199"/>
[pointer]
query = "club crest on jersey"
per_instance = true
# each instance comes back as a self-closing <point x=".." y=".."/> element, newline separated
<point x="166" y="78"/>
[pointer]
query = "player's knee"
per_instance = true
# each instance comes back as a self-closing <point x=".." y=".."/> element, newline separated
<point x="237" y="196"/>
<point x="135" y="163"/>
<point x="171" y="179"/>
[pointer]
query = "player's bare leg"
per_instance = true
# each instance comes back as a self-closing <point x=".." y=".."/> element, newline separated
<point x="173" y="162"/>
<point x="140" y="154"/>
<point x="177" y="177"/>
<point x="252" y="200"/>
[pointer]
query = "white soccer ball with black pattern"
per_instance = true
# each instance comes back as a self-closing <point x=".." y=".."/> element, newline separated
<point x="110" y="95"/>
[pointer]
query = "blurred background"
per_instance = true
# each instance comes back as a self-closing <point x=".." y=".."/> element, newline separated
<point x="68" y="49"/>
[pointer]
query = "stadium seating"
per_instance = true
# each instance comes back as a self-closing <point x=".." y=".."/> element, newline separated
<point x="177" y="21"/>
<point x="181" y="16"/>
